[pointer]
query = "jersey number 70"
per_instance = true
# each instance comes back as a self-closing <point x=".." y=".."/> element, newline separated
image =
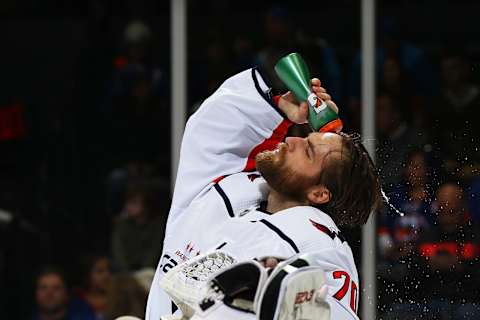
<point x="347" y="284"/>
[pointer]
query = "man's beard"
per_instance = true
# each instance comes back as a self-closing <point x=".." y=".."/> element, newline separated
<point x="281" y="178"/>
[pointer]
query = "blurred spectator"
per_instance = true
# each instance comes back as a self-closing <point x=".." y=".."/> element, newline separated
<point x="138" y="236"/>
<point x="397" y="83"/>
<point x="53" y="301"/>
<point x="23" y="247"/>
<point x="396" y="139"/>
<point x="243" y="52"/>
<point x="455" y="119"/>
<point x="451" y="254"/>
<point x="398" y="266"/>
<point x="412" y="59"/>
<point x="135" y="105"/>
<point x="474" y="200"/>
<point x="144" y="277"/>
<point x="209" y="69"/>
<point x="126" y="297"/>
<point x="431" y="273"/>
<point x="413" y="196"/>
<point x="117" y="183"/>
<point x="281" y="37"/>
<point x="96" y="283"/>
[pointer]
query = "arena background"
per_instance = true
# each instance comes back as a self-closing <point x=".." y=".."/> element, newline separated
<point x="86" y="154"/>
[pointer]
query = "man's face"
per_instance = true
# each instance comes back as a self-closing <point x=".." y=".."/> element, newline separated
<point x="387" y="119"/>
<point x="416" y="170"/>
<point x="51" y="294"/>
<point x="295" y="165"/>
<point x="100" y="275"/>
<point x="450" y="205"/>
<point x="454" y="72"/>
<point x="134" y="206"/>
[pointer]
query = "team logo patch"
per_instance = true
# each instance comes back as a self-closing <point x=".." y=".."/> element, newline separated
<point x="190" y="250"/>
<point x="304" y="296"/>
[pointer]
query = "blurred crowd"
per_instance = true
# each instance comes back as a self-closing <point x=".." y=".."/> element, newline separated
<point x="84" y="194"/>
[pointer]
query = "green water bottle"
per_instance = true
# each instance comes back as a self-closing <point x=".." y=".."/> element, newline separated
<point x="294" y="73"/>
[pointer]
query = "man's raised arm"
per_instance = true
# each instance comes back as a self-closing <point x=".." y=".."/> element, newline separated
<point x="230" y="128"/>
<point x="224" y="135"/>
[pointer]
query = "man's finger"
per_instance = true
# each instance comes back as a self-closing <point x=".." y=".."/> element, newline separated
<point x="325" y="96"/>
<point x="332" y="105"/>
<point x="318" y="89"/>
<point x="271" y="263"/>
<point x="288" y="96"/>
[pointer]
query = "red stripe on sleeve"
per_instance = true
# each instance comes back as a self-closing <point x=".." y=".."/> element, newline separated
<point x="217" y="180"/>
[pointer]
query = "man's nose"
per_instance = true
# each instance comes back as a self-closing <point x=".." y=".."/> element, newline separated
<point x="293" y="142"/>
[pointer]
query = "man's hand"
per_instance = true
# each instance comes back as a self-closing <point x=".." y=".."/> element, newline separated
<point x="299" y="113"/>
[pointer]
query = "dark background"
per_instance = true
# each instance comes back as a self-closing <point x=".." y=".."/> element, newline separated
<point x="72" y="139"/>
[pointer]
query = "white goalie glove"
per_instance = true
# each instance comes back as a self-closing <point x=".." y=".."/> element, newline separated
<point x="186" y="283"/>
<point x="295" y="289"/>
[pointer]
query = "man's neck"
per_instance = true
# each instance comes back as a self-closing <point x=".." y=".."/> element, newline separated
<point x="278" y="202"/>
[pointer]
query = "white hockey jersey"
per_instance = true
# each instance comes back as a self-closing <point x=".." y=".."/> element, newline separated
<point x="217" y="196"/>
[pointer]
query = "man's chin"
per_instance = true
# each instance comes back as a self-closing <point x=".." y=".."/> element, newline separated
<point x="268" y="167"/>
<point x="265" y="162"/>
<point x="265" y="157"/>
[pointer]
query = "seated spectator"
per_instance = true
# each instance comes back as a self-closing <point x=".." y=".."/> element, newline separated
<point x="138" y="236"/>
<point x="282" y="36"/>
<point x="398" y="84"/>
<point x="126" y="297"/>
<point x="455" y="119"/>
<point x="134" y="106"/>
<point x="53" y="301"/>
<point x="398" y="234"/>
<point x="117" y="183"/>
<point x="450" y="252"/>
<point x="401" y="68"/>
<point x="412" y="59"/>
<point x="474" y="200"/>
<point x="96" y="283"/>
<point x="396" y="140"/>
<point x="398" y="266"/>
<point x="434" y="276"/>
<point x="23" y="247"/>
<point x="413" y="196"/>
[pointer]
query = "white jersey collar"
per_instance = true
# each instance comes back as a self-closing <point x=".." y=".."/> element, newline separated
<point x="320" y="216"/>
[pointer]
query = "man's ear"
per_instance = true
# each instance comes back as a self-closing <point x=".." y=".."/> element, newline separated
<point x="318" y="195"/>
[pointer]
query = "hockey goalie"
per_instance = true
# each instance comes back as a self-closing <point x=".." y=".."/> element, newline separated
<point x="247" y="188"/>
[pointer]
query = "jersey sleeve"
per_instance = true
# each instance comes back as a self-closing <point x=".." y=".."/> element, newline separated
<point x="223" y="137"/>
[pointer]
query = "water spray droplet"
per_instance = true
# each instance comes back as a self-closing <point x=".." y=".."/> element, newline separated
<point x="387" y="200"/>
